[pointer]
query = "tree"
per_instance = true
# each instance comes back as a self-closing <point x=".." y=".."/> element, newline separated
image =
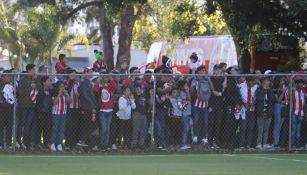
<point x="247" y="19"/>
<point x="10" y="34"/>
<point x="170" y="20"/>
<point x="34" y="33"/>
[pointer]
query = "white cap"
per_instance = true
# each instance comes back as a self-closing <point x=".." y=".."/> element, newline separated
<point x="267" y="72"/>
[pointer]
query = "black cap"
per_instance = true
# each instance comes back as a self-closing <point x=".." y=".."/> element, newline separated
<point x="30" y="66"/>
<point x="62" y="56"/>
<point x="217" y="66"/>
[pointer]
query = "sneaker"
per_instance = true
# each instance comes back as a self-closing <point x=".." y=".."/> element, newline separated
<point x="184" y="147"/>
<point x="215" y="146"/>
<point x="204" y="141"/>
<point x="95" y="148"/>
<point x="259" y="146"/>
<point x="82" y="144"/>
<point x="189" y="146"/>
<point x="1" y="148"/>
<point x="114" y="147"/>
<point x="59" y="148"/>
<point x="17" y="145"/>
<point x="52" y="148"/>
<point x="23" y="146"/>
<point x="195" y="140"/>
<point x="267" y="146"/>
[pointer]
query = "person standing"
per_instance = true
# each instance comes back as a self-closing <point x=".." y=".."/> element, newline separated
<point x="233" y="103"/>
<point x="89" y="107"/>
<point x="202" y="91"/>
<point x="60" y="101"/>
<point x="265" y="99"/>
<point x="248" y="119"/>
<point x="139" y="119"/>
<point x="27" y="91"/>
<point x="297" y="113"/>
<point x="105" y="89"/>
<point x="73" y="123"/>
<point x="126" y="104"/>
<point x="7" y="110"/>
<point x="217" y="105"/>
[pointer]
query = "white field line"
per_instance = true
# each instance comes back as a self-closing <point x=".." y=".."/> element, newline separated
<point x="102" y="156"/>
<point x="255" y="156"/>
<point x="265" y="158"/>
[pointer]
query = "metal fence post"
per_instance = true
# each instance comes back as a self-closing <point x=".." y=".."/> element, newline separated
<point x="290" y="112"/>
<point x="15" y="114"/>
<point x="153" y="111"/>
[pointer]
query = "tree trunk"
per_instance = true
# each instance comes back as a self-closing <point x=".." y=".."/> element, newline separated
<point x="49" y="62"/>
<point x="244" y="57"/>
<point x="127" y="21"/>
<point x="106" y="34"/>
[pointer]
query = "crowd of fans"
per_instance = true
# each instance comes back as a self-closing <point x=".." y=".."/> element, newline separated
<point x="104" y="109"/>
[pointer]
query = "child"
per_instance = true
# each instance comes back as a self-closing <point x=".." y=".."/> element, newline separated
<point x="99" y="64"/>
<point x="139" y="119"/>
<point x="175" y="117"/>
<point x="194" y="64"/>
<point x="107" y="88"/>
<point x="265" y="99"/>
<point x="60" y="99"/>
<point x="45" y="107"/>
<point x="125" y="104"/>
<point x="185" y="96"/>
<point x="297" y="113"/>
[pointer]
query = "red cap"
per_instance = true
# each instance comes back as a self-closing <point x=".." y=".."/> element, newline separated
<point x="300" y="72"/>
<point x="87" y="70"/>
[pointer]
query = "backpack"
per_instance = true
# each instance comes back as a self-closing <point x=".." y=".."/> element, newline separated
<point x="203" y="90"/>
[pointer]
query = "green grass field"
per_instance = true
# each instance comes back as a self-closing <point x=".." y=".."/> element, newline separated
<point x="185" y="164"/>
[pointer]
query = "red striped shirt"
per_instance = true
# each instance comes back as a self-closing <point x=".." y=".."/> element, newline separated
<point x="60" y="108"/>
<point x="201" y="104"/>
<point x="74" y="104"/>
<point x="33" y="95"/>
<point x="298" y="102"/>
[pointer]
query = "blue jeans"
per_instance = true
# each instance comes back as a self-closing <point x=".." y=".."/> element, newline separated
<point x="200" y="113"/>
<point x="278" y="121"/>
<point x="58" y="129"/>
<point x="185" y="121"/>
<point x="296" y="130"/>
<point x="161" y="128"/>
<point x="105" y="123"/>
<point x="247" y="129"/>
<point x="24" y="125"/>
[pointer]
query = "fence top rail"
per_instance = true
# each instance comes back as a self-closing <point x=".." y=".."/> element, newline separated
<point x="159" y="74"/>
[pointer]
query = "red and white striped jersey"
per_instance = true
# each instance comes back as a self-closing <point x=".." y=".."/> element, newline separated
<point x="74" y="103"/>
<point x="33" y="95"/>
<point x="60" y="108"/>
<point x="298" y="102"/>
<point x="201" y="104"/>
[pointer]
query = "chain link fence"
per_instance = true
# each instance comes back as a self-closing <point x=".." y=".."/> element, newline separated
<point x="120" y="112"/>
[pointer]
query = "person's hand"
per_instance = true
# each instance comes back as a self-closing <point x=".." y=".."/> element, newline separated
<point x="215" y="93"/>
<point x="65" y="93"/>
<point x="163" y="98"/>
<point x="94" y="117"/>
<point x="186" y="88"/>
<point x="60" y="92"/>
